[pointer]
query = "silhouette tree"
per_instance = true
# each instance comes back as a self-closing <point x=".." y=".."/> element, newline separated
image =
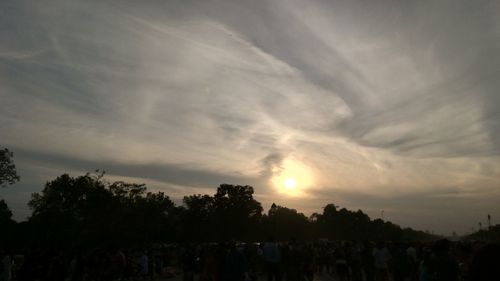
<point x="284" y="223"/>
<point x="235" y="211"/>
<point x="5" y="212"/>
<point x="7" y="226"/>
<point x="198" y="215"/>
<point x="344" y="224"/>
<point x="86" y="210"/>
<point x="70" y="208"/>
<point x="143" y="216"/>
<point x="8" y="174"/>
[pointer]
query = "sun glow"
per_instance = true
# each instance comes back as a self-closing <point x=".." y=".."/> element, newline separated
<point x="290" y="183"/>
<point x="292" y="178"/>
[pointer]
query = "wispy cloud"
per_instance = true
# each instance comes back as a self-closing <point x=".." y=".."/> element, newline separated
<point x="381" y="99"/>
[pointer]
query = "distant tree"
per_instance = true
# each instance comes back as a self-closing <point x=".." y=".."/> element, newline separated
<point x="198" y="218"/>
<point x="491" y="234"/>
<point x="159" y="217"/>
<point x="284" y="223"/>
<point x="314" y="217"/>
<point x="7" y="226"/>
<point x="343" y="224"/>
<point x="87" y="210"/>
<point x="5" y="212"/>
<point x="8" y="174"/>
<point x="71" y="209"/>
<point x="235" y="211"/>
<point x="201" y="206"/>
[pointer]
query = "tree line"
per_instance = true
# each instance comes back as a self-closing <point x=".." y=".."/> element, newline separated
<point x="84" y="211"/>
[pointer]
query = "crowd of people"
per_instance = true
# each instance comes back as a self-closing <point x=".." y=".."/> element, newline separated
<point x="350" y="261"/>
<point x="100" y="264"/>
<point x="270" y="261"/>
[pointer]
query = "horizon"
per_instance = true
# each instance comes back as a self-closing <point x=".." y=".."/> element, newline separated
<point x="100" y="176"/>
<point x="384" y="107"/>
<point x="383" y="215"/>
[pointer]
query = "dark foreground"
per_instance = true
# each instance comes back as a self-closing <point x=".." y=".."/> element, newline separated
<point x="269" y="261"/>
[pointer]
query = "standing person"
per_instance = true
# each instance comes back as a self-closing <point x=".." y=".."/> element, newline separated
<point x="292" y="262"/>
<point x="411" y="253"/>
<point x="251" y="256"/>
<point x="117" y="263"/>
<point x="6" y="267"/>
<point x="355" y="262"/>
<point x="272" y="258"/>
<point x="189" y="264"/>
<point x="234" y="265"/>
<point x="208" y="264"/>
<point x="424" y="268"/>
<point x="144" y="263"/>
<point x="485" y="266"/>
<point x="400" y="263"/>
<point x="368" y="262"/>
<point x="130" y="265"/>
<point x="309" y="263"/>
<point x="381" y="257"/>
<point x="322" y="259"/>
<point x="443" y="266"/>
<point x="341" y="265"/>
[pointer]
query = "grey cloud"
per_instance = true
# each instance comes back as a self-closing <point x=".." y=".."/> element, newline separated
<point x="230" y="89"/>
<point x="170" y="173"/>
<point x="281" y="32"/>
<point x="424" y="131"/>
<point x="448" y="31"/>
<point x="272" y="28"/>
<point x="273" y="160"/>
<point x="458" y="39"/>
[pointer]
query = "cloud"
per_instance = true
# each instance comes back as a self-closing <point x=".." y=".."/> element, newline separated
<point x="412" y="77"/>
<point x="174" y="174"/>
<point x="381" y="99"/>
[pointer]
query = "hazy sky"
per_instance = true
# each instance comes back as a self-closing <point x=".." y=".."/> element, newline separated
<point x="378" y="105"/>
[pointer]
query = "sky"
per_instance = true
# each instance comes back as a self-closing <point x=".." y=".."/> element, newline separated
<point x="389" y="106"/>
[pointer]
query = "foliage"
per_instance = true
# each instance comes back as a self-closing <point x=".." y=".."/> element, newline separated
<point x="7" y="225"/>
<point x="198" y="214"/>
<point x="86" y="211"/>
<point x="285" y="224"/>
<point x="230" y="214"/>
<point x="5" y="212"/>
<point x="490" y="234"/>
<point x="8" y="174"/>
<point x="236" y="211"/>
<point x="348" y="225"/>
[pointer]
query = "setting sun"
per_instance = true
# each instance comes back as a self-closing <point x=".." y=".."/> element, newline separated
<point x="290" y="183"/>
<point x="292" y="178"/>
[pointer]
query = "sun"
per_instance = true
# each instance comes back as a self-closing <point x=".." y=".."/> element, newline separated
<point x="290" y="183"/>
<point x="292" y="178"/>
